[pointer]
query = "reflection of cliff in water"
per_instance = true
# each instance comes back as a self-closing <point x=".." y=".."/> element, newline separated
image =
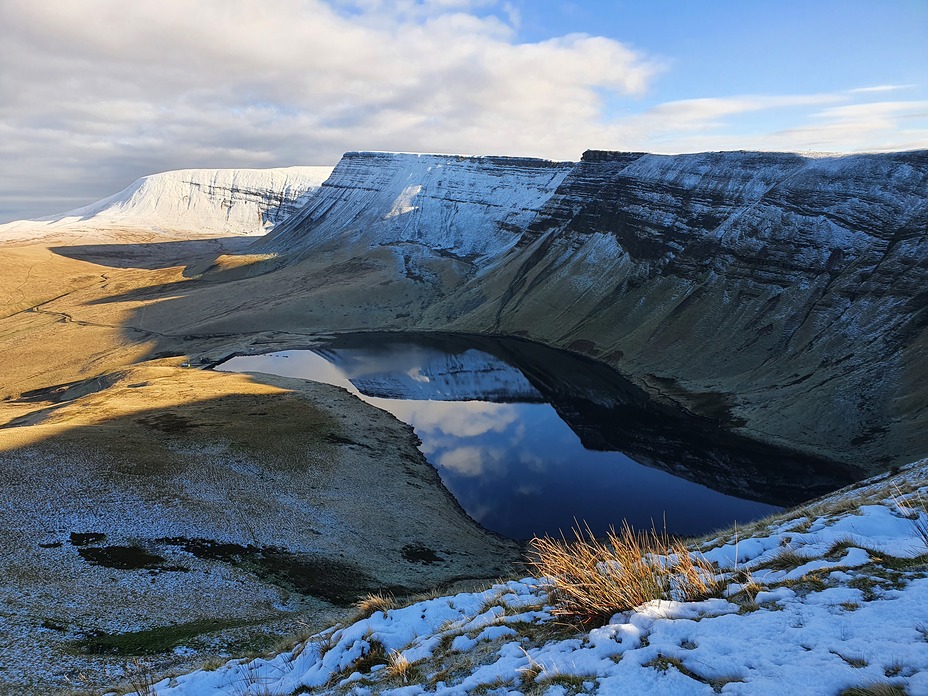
<point x="605" y="410"/>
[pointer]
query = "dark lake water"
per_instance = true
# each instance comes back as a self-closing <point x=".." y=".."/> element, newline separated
<point x="530" y="439"/>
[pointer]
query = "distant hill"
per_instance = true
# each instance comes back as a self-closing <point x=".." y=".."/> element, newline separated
<point x="223" y="201"/>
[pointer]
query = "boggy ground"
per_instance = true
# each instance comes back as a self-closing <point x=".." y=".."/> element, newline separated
<point x="178" y="513"/>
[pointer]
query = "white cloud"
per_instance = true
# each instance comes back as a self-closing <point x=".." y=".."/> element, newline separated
<point x="708" y="113"/>
<point x="879" y="88"/>
<point x="124" y="89"/>
<point x="883" y="112"/>
<point x="875" y="126"/>
<point x="836" y="121"/>
<point x="95" y="94"/>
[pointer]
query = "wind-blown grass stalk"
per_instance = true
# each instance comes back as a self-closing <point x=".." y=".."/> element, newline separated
<point x="912" y="508"/>
<point x="591" y="579"/>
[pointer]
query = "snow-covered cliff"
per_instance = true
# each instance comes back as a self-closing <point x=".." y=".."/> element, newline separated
<point x="459" y="207"/>
<point x="226" y="201"/>
<point x="751" y="288"/>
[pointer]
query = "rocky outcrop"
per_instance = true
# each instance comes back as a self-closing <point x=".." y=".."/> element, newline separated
<point x="779" y="294"/>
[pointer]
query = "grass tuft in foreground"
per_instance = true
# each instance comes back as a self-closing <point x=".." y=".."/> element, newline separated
<point x="140" y="678"/>
<point x="400" y="668"/>
<point x="591" y="579"/>
<point x="373" y="603"/>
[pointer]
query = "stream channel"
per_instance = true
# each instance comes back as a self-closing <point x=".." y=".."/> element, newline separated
<point x="529" y="439"/>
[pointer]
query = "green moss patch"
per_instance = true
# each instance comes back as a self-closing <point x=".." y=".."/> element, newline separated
<point x="153" y="640"/>
<point x="338" y="582"/>
<point x="123" y="558"/>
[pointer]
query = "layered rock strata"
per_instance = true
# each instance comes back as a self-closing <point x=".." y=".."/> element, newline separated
<point x="777" y="293"/>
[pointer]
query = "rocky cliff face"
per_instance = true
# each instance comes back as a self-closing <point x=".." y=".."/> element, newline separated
<point x="779" y="294"/>
<point x="226" y="201"/>
<point x="425" y="208"/>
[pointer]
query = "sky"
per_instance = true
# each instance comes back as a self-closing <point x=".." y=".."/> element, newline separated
<point x="96" y="93"/>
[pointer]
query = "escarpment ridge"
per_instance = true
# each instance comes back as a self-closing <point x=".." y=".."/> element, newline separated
<point x="779" y="296"/>
<point x="778" y="293"/>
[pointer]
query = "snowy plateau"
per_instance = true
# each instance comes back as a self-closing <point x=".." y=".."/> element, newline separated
<point x="227" y="201"/>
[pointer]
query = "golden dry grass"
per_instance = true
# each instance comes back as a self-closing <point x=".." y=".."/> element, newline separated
<point x="371" y="603"/>
<point x="399" y="668"/>
<point x="876" y="689"/>
<point x="591" y="579"/>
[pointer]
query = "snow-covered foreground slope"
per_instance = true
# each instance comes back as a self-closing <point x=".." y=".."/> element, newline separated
<point x="817" y="601"/>
<point x="209" y="201"/>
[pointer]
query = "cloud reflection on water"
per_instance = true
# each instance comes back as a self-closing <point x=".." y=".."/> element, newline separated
<point x="454" y="419"/>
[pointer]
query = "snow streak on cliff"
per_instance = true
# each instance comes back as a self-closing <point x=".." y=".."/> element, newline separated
<point x="466" y="208"/>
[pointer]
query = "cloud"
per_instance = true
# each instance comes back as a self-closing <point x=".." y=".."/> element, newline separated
<point x="707" y="113"/>
<point x="95" y="95"/>
<point x="871" y="126"/>
<point x="125" y="89"/>
<point x="842" y="121"/>
<point x="883" y="112"/>
<point x="879" y="88"/>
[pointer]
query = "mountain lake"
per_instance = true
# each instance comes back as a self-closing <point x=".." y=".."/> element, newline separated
<point x="531" y="440"/>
